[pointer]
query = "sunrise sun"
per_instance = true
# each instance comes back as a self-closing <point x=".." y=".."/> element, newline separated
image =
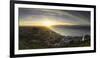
<point x="48" y="23"/>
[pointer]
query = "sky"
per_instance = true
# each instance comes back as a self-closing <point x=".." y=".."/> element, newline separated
<point x="77" y="22"/>
<point x="66" y="16"/>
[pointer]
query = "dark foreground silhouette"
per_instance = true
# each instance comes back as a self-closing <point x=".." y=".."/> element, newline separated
<point x="42" y="37"/>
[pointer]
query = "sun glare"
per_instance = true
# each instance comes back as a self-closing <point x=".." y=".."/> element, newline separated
<point x="48" y="23"/>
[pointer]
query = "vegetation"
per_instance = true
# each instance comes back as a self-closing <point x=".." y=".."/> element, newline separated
<point x="42" y="37"/>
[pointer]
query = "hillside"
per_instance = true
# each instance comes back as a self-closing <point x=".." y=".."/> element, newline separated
<point x="42" y="37"/>
<point x="37" y="37"/>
